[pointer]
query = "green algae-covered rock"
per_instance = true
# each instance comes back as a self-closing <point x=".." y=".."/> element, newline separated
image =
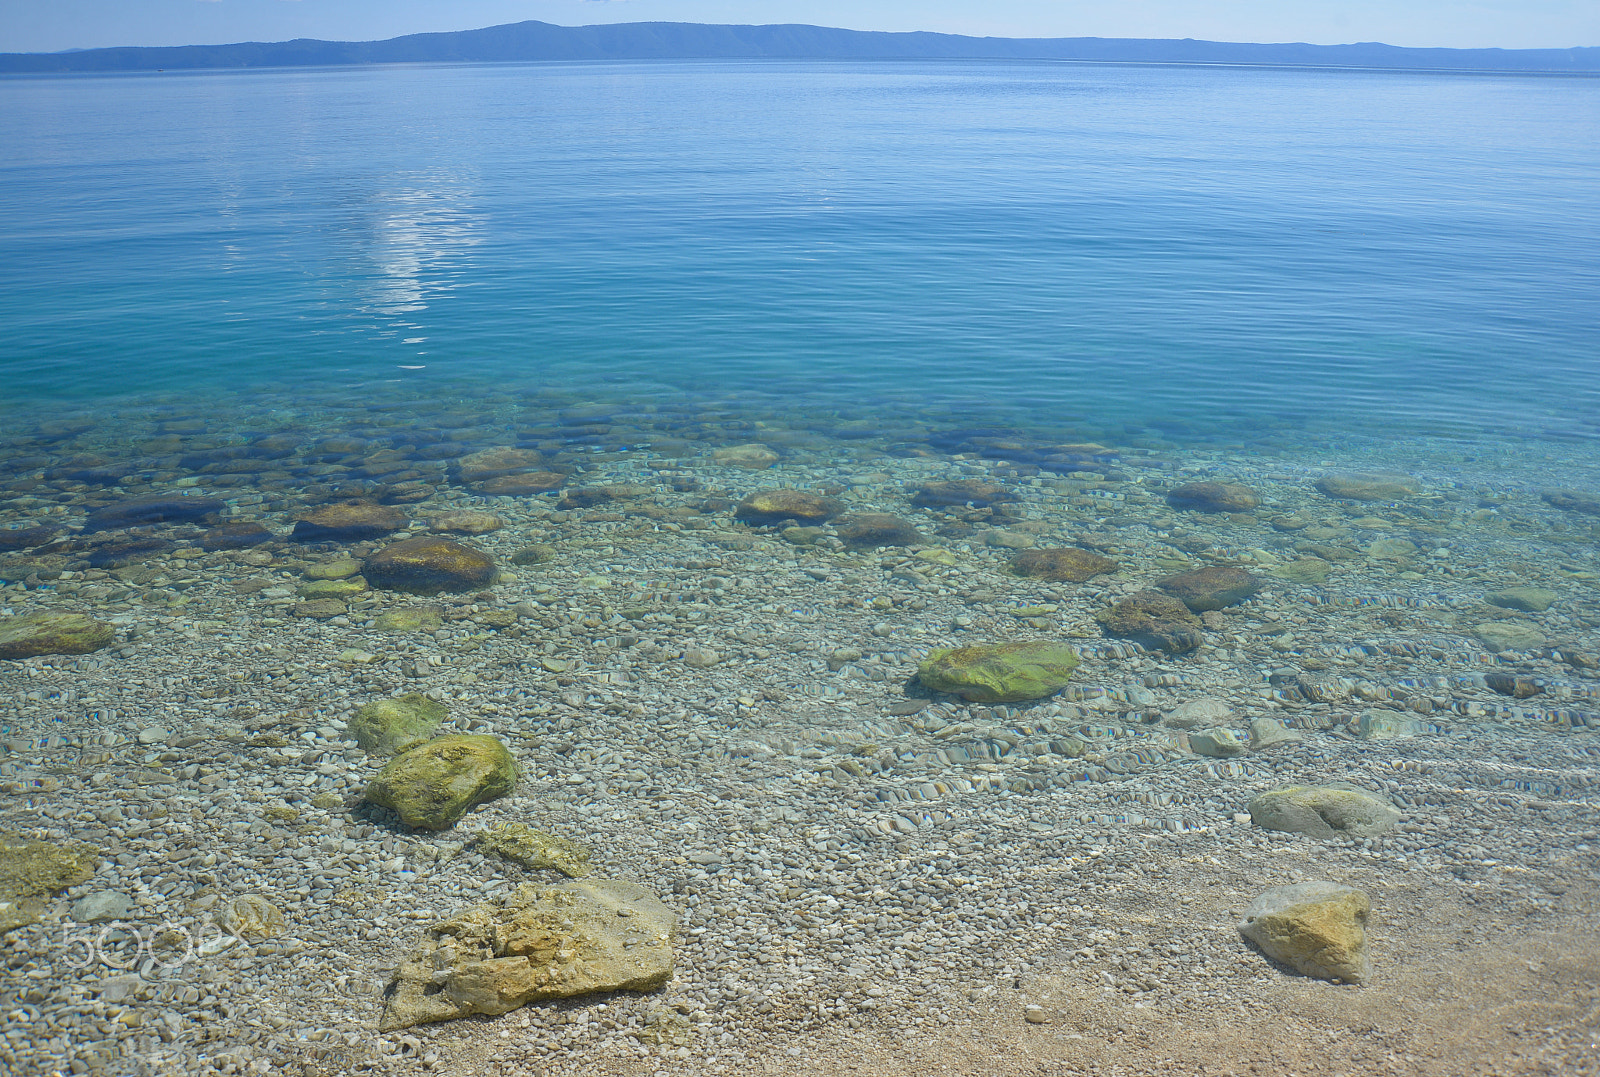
<point x="1154" y="620"/>
<point x="428" y="564"/>
<point x="49" y="632"/>
<point x="1509" y="636"/>
<point x="392" y="726"/>
<point x="409" y="619"/>
<point x="434" y="784"/>
<point x="1000" y="672"/>
<point x="30" y="870"/>
<point x="1526" y="599"/>
<point x="1324" y="811"/>
<point x="535" y="849"/>
<point x="773" y="506"/>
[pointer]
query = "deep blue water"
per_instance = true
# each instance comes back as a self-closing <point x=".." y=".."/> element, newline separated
<point x="1081" y="239"/>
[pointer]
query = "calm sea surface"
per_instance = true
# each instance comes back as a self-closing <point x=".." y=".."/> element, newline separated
<point x="1168" y="244"/>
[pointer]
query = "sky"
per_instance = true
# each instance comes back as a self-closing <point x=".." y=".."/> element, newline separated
<point x="50" y="25"/>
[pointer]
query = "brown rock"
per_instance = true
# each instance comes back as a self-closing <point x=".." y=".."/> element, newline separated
<point x="765" y="507"/>
<point x="1071" y="565"/>
<point x="492" y="463"/>
<point x="468" y="522"/>
<point x="237" y="536"/>
<point x="935" y="495"/>
<point x="166" y="509"/>
<point x="26" y="538"/>
<point x="427" y="565"/>
<point x="520" y="485"/>
<point x="1211" y="588"/>
<point x="871" y="529"/>
<point x="320" y="609"/>
<point x="1213" y="497"/>
<point x="1154" y="620"/>
<point x="348" y="521"/>
<point x="754" y="457"/>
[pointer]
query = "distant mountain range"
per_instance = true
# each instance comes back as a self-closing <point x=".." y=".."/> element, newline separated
<point x="686" y="41"/>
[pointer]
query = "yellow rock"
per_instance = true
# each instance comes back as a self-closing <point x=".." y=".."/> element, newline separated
<point x="1317" y="928"/>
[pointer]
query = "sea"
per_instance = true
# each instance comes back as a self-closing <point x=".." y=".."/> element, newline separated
<point x="1360" y="307"/>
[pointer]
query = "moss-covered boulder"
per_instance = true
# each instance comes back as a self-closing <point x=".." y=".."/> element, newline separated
<point x="765" y="507"/>
<point x="434" y="784"/>
<point x="1336" y="810"/>
<point x="1000" y="672"/>
<point x="1154" y="620"/>
<point x="392" y="726"/>
<point x="345" y="588"/>
<point x="868" y="530"/>
<point x="51" y="632"/>
<point x="535" y="849"/>
<point x="32" y="870"/>
<point x="1061" y="565"/>
<point x="428" y="565"/>
<point x="1212" y="588"/>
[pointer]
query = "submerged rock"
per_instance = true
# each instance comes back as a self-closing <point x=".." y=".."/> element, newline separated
<point x="774" y="506"/>
<point x="1574" y="501"/>
<point x="1381" y="724"/>
<point x="1155" y="620"/>
<point x="1337" y="810"/>
<point x="391" y="726"/>
<point x="1270" y="733"/>
<point x="434" y="784"/>
<point x="32" y="870"/>
<point x="1000" y="672"/>
<point x="468" y="522"/>
<point x="49" y="632"/>
<point x="1197" y="713"/>
<point x="1062" y="565"/>
<point x="409" y="619"/>
<point x="754" y="457"/>
<point x="25" y="538"/>
<point x="493" y="463"/>
<point x="253" y="917"/>
<point x="349" y="521"/>
<point x="1316" y="928"/>
<point x="1218" y="743"/>
<point x="1210" y="588"/>
<point x="239" y="536"/>
<point x="1525" y="599"/>
<point x="542" y="943"/>
<point x="535" y="849"/>
<point x="428" y="565"/>
<point x="938" y="495"/>
<point x="151" y="510"/>
<point x="873" y="529"/>
<point x="1369" y="486"/>
<point x="1213" y="497"/>
<point x="520" y="485"/>
<point x="1501" y="636"/>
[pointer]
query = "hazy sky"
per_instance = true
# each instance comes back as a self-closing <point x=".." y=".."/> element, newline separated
<point x="48" y="25"/>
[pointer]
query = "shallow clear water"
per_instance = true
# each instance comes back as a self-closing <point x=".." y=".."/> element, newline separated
<point x="1145" y="242"/>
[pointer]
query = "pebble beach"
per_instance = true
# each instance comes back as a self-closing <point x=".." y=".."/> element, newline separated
<point x="867" y="875"/>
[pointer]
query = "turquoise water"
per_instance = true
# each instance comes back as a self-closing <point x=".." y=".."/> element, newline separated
<point x="1200" y="247"/>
